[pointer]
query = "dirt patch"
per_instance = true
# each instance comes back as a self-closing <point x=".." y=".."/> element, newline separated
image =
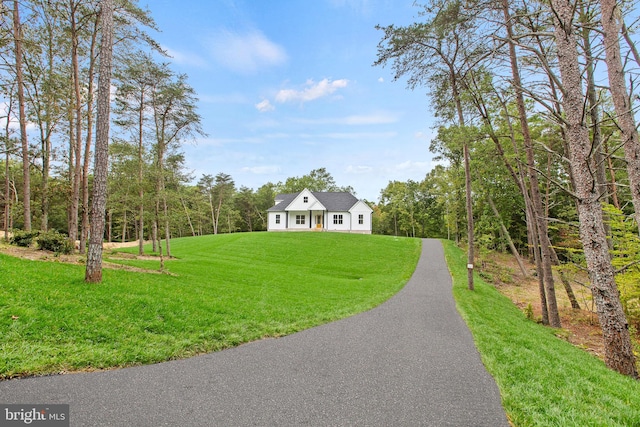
<point x="79" y="259"/>
<point x="580" y="327"/>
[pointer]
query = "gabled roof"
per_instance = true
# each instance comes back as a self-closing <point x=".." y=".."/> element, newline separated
<point x="337" y="202"/>
<point x="332" y="201"/>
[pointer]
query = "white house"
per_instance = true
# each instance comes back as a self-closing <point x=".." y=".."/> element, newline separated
<point x="320" y="211"/>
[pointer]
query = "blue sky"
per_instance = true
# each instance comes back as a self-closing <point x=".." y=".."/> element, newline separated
<point x="286" y="87"/>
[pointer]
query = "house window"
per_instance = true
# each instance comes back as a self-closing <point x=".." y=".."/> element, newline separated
<point x="277" y="218"/>
<point x="305" y="199"/>
<point x="361" y="219"/>
<point x="337" y="219"/>
<point x="300" y="219"/>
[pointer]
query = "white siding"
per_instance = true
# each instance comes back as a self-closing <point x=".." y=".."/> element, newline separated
<point x="271" y="224"/>
<point x="358" y="209"/>
<point x="346" y="221"/>
<point x="299" y="203"/>
<point x="292" y="220"/>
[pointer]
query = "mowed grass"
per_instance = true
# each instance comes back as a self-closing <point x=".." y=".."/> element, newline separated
<point x="222" y="291"/>
<point x="543" y="380"/>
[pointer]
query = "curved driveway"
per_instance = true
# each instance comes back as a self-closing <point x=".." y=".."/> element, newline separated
<point x="411" y="361"/>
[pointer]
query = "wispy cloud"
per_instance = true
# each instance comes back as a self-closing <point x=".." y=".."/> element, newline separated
<point x="359" y="170"/>
<point x="371" y="119"/>
<point x="186" y="58"/>
<point x="357" y="135"/>
<point x="411" y="166"/>
<point x="219" y="142"/>
<point x="246" y="53"/>
<point x="264" y="106"/>
<point x="311" y="92"/>
<point x="262" y="170"/>
<point x="355" y="120"/>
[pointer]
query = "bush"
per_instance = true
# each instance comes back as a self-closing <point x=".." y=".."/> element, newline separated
<point x="23" y="238"/>
<point x="55" y="242"/>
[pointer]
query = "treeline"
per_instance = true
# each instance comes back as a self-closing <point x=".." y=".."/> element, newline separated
<point x="49" y="62"/>
<point x="49" y="57"/>
<point x="536" y="106"/>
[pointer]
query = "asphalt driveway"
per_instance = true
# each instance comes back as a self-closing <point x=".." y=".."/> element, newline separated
<point x="409" y="362"/>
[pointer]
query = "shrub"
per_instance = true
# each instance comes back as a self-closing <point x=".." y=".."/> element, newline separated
<point x="55" y="242"/>
<point x="23" y="238"/>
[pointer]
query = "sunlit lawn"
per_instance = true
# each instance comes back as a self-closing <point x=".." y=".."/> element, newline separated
<point x="222" y="291"/>
<point x="543" y="380"/>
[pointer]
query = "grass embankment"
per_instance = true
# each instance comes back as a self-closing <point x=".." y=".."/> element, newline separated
<point x="224" y="290"/>
<point x="543" y="380"/>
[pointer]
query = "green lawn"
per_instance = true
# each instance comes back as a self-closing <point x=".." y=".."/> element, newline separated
<point x="543" y="380"/>
<point x="224" y="290"/>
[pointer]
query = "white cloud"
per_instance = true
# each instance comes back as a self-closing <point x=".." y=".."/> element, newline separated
<point x="371" y="119"/>
<point x="359" y="170"/>
<point x="265" y="106"/>
<point x="14" y="123"/>
<point x="219" y="142"/>
<point x="380" y="80"/>
<point x="356" y="135"/>
<point x="246" y="53"/>
<point x="262" y="170"/>
<point x="355" y="120"/>
<point x="185" y="58"/>
<point x="312" y="91"/>
<point x="410" y="166"/>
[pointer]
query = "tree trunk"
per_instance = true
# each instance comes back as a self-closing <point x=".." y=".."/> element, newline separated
<point x="632" y="46"/>
<point x="141" y="228"/>
<point x="141" y="176"/>
<point x="7" y="157"/>
<point x="506" y="234"/>
<point x="87" y="147"/>
<point x="613" y="186"/>
<point x="618" y="350"/>
<point x="167" y="227"/>
<point x="213" y="215"/>
<point x="538" y="262"/>
<point x="536" y="198"/>
<point x="467" y="179"/>
<point x="611" y="16"/>
<point x="109" y="225"/>
<point x="594" y="115"/>
<point x="76" y="175"/>
<point x="154" y="235"/>
<point x="469" y="205"/>
<point x="186" y="212"/>
<point x="125" y="224"/>
<point x="101" y="164"/>
<point x="7" y="191"/>
<point x="26" y="173"/>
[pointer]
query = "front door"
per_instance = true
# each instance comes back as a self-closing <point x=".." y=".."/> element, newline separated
<point x="319" y="221"/>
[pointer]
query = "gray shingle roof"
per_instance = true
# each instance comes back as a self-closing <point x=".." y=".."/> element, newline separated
<point x="333" y="201"/>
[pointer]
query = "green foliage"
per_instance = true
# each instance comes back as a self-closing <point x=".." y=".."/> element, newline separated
<point x="528" y="312"/>
<point x="317" y="180"/>
<point x="625" y="256"/>
<point x="55" y="242"/>
<point x="223" y="290"/>
<point x="543" y="380"/>
<point x="24" y="238"/>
